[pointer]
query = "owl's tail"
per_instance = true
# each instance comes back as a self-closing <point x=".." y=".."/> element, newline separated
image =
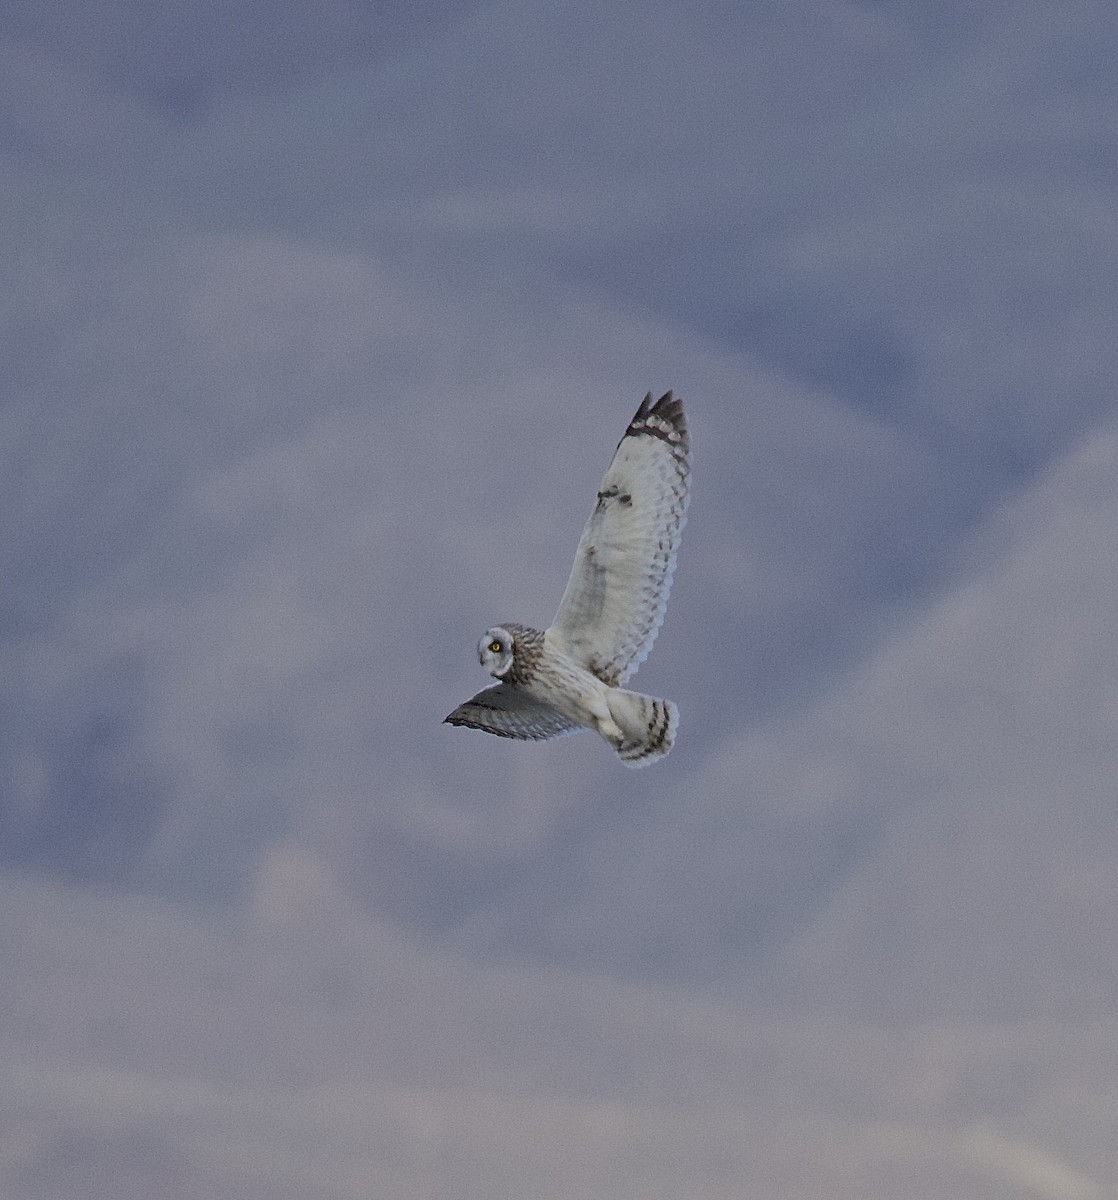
<point x="647" y="725"/>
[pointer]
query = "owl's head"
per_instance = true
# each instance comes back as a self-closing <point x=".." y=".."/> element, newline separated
<point x="495" y="651"/>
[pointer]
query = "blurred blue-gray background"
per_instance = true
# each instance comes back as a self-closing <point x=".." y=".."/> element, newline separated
<point x="320" y="324"/>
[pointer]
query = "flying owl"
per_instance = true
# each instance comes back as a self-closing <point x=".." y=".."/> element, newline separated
<point x="569" y="677"/>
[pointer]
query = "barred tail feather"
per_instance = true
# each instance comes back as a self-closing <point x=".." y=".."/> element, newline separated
<point x="648" y="726"/>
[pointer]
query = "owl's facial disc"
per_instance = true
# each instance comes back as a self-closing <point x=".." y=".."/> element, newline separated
<point x="495" y="651"/>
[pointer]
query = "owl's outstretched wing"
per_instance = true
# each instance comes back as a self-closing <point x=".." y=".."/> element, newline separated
<point x="508" y="711"/>
<point x="618" y="590"/>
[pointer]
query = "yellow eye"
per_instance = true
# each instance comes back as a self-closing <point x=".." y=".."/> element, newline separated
<point x="495" y="647"/>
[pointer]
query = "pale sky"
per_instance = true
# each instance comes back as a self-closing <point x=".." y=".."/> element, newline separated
<point x="321" y="323"/>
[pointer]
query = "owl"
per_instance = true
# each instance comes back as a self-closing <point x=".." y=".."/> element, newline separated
<point x="569" y="677"/>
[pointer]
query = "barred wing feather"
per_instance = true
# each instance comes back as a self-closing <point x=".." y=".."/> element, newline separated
<point x="508" y="711"/>
<point x="617" y="594"/>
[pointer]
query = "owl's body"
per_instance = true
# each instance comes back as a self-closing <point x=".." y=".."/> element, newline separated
<point x="568" y="677"/>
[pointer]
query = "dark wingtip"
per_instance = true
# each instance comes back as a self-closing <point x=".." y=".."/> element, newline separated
<point x="668" y="410"/>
